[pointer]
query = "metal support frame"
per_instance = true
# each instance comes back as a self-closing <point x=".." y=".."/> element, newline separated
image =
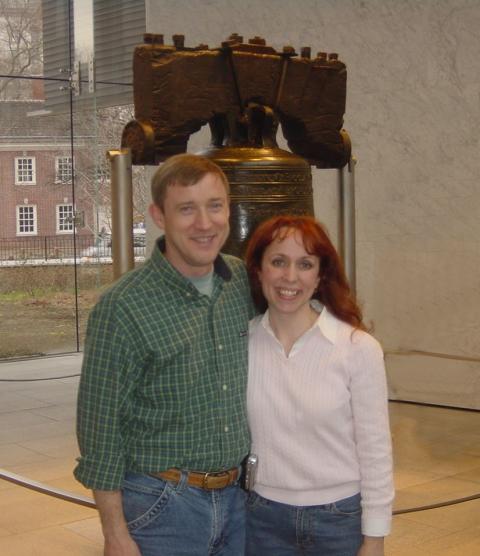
<point x="91" y="74"/>
<point x="122" y="211"/>
<point x="75" y="82"/>
<point x="346" y="220"/>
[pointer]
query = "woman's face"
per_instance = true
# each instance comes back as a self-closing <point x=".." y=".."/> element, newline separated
<point x="288" y="275"/>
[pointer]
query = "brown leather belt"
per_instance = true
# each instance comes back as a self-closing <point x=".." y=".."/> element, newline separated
<point x="207" y="481"/>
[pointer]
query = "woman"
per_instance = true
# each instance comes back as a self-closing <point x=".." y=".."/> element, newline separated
<point x="317" y="403"/>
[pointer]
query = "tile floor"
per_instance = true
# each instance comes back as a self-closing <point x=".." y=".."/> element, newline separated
<point x="437" y="457"/>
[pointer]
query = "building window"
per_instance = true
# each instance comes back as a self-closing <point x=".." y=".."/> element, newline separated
<point x="26" y="220"/>
<point x="25" y="171"/>
<point x="65" y="219"/>
<point x="63" y="169"/>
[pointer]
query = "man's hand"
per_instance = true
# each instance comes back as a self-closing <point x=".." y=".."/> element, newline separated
<point x="118" y="541"/>
<point x="372" y="546"/>
<point x="121" y="546"/>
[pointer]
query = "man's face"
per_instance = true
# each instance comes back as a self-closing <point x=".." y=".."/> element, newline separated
<point x="195" y="221"/>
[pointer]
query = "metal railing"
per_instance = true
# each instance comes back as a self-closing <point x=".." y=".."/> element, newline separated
<point x="80" y="500"/>
<point x="49" y="248"/>
<point x="42" y="247"/>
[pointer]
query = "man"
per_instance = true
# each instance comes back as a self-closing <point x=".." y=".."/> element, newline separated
<point x="161" y="409"/>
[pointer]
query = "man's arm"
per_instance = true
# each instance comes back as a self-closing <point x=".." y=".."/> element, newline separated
<point x="118" y="541"/>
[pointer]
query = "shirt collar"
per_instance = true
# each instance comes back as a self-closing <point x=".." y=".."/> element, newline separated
<point x="220" y="267"/>
<point x="326" y="323"/>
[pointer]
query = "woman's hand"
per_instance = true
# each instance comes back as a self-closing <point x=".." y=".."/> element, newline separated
<point x="372" y="546"/>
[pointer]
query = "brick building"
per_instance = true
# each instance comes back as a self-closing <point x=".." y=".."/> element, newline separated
<point x="39" y="195"/>
<point x="54" y="181"/>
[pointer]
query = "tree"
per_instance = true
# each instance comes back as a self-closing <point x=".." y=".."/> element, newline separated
<point x="94" y="134"/>
<point x="21" y="48"/>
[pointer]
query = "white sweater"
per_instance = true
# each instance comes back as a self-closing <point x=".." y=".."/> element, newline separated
<point x="319" y="419"/>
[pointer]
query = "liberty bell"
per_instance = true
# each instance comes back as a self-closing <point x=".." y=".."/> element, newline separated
<point x="243" y="91"/>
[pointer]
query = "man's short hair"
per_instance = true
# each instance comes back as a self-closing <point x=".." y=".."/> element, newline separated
<point x="183" y="169"/>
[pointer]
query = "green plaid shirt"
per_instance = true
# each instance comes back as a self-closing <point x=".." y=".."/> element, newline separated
<point x="164" y="375"/>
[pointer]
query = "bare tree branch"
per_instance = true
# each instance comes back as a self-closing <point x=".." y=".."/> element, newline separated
<point x="20" y="45"/>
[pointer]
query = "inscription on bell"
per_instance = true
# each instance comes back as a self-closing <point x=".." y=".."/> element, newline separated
<point x="267" y="177"/>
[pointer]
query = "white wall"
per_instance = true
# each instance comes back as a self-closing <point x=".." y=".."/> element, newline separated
<point x="413" y="113"/>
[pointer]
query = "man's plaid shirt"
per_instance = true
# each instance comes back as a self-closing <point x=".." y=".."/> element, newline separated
<point x="164" y="375"/>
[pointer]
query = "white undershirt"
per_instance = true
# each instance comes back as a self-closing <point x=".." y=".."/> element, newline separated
<point x="319" y="419"/>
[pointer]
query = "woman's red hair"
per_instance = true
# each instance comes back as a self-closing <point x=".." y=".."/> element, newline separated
<point x="333" y="290"/>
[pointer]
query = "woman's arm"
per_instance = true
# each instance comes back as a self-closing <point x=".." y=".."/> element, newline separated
<point x="368" y="388"/>
<point x="372" y="546"/>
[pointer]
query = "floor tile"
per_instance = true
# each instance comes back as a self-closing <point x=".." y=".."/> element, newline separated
<point x="407" y="534"/>
<point x="442" y="489"/>
<point x="63" y="412"/>
<point x="436" y="455"/>
<point x="89" y="528"/>
<point x="15" y="420"/>
<point x="45" y="428"/>
<point x="23" y="510"/>
<point x="471" y="475"/>
<point x="53" y="393"/>
<point x="57" y="468"/>
<point x="406" y="478"/>
<point x="464" y="543"/>
<point x="13" y="454"/>
<point x="12" y="401"/>
<point x="456" y="518"/>
<point x="55" y="446"/>
<point x="52" y="541"/>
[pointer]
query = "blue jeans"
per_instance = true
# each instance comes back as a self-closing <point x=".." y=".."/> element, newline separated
<point x="275" y="529"/>
<point x="168" y="519"/>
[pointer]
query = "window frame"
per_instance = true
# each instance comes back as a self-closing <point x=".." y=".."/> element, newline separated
<point x="19" y="171"/>
<point x="58" y="219"/>
<point x="33" y="232"/>
<point x="58" y="178"/>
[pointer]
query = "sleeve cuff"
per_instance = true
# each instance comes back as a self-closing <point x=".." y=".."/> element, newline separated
<point x="101" y="472"/>
<point x="376" y="526"/>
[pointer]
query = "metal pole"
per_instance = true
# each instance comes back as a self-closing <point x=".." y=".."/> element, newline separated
<point x="122" y="211"/>
<point x="346" y="221"/>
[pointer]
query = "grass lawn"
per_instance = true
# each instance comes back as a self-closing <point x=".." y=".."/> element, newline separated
<point x="38" y="308"/>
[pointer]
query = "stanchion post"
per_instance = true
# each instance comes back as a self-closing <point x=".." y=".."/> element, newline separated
<point x="122" y="211"/>
<point x="346" y="220"/>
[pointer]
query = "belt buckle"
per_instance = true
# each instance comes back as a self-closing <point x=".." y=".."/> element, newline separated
<point x="215" y="474"/>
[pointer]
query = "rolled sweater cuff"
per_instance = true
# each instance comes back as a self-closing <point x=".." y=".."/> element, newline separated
<point x="376" y="526"/>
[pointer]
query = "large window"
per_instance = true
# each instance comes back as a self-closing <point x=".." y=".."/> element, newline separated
<point x="25" y="171"/>
<point x="26" y="220"/>
<point x="63" y="169"/>
<point x="65" y="96"/>
<point x="65" y="219"/>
